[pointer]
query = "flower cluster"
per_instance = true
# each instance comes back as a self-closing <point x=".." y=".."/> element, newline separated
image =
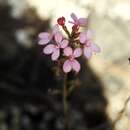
<point x="68" y="49"/>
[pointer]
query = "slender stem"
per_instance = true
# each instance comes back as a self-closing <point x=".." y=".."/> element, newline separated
<point x="65" y="104"/>
<point x="66" y="30"/>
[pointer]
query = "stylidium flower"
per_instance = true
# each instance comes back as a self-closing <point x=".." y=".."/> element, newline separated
<point x="46" y="37"/>
<point x="89" y="47"/>
<point x="54" y="49"/>
<point x="67" y="50"/>
<point x="78" y="21"/>
<point x="71" y="63"/>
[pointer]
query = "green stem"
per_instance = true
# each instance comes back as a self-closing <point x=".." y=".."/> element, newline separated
<point x="65" y="104"/>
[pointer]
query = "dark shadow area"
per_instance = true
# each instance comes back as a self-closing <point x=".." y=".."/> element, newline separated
<point x="26" y="76"/>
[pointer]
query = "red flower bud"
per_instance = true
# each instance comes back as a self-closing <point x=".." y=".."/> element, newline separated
<point x="61" y="21"/>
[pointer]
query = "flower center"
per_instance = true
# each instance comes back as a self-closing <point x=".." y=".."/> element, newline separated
<point x="88" y="44"/>
<point x="71" y="58"/>
<point x="57" y="46"/>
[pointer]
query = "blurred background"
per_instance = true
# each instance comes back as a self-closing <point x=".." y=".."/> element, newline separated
<point x="25" y="73"/>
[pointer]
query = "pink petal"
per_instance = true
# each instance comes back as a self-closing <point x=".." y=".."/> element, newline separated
<point x="74" y="17"/>
<point x="82" y="21"/>
<point x="95" y="47"/>
<point x="64" y="43"/>
<point x="58" y="37"/>
<point x="43" y="35"/>
<point x="77" y="52"/>
<point x="68" y="51"/>
<point x="48" y="49"/>
<point x="43" y="42"/>
<point x="83" y="37"/>
<point x="44" y="38"/>
<point x="67" y="66"/>
<point x="76" y="66"/>
<point x="87" y="52"/>
<point x="55" y="29"/>
<point x="55" y="55"/>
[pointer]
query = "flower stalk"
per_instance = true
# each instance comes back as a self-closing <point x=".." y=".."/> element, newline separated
<point x="66" y="51"/>
<point x="65" y="104"/>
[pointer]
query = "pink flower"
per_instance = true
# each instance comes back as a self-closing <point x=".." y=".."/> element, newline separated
<point x="46" y="37"/>
<point x="71" y="63"/>
<point x="78" y="21"/>
<point x="54" y="49"/>
<point x="89" y="47"/>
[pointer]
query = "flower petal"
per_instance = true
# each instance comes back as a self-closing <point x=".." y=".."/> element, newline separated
<point x="43" y="42"/>
<point x="43" y="35"/>
<point x="95" y="47"/>
<point x="58" y="37"/>
<point x="87" y="52"/>
<point x="64" y="43"/>
<point x="55" y="29"/>
<point x="82" y="21"/>
<point x="48" y="49"/>
<point x="83" y="37"/>
<point x="77" y="52"/>
<point x="67" y="66"/>
<point x="55" y="55"/>
<point x="68" y="51"/>
<point x="74" y="17"/>
<point x="76" y="66"/>
<point x="44" y="38"/>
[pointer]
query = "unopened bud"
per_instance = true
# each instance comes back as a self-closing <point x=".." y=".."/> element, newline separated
<point x="61" y="21"/>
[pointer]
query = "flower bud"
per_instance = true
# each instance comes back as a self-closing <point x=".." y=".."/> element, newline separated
<point x="61" y="21"/>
